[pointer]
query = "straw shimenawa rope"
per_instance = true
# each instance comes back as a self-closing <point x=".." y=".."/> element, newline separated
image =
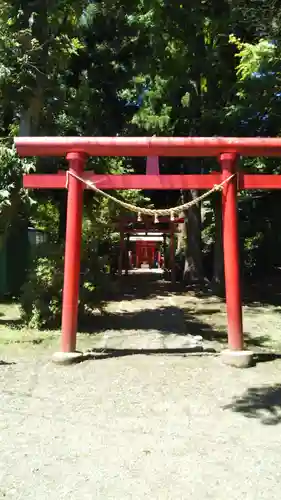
<point x="149" y="211"/>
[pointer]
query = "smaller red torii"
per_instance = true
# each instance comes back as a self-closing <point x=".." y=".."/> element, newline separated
<point x="227" y="150"/>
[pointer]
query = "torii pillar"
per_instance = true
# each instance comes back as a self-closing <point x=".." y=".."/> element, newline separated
<point x="73" y="240"/>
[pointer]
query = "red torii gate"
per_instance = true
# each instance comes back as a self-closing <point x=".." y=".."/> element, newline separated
<point x="76" y="150"/>
<point x="147" y="225"/>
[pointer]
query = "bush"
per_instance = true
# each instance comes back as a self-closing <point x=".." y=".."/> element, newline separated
<point x="41" y="298"/>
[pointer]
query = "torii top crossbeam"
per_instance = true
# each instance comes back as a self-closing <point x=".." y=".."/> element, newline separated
<point x="148" y="146"/>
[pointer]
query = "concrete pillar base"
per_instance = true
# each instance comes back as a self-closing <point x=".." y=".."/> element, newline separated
<point x="238" y="359"/>
<point x="67" y="358"/>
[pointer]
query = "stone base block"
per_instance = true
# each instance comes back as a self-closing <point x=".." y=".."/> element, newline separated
<point x="67" y="358"/>
<point x="238" y="359"/>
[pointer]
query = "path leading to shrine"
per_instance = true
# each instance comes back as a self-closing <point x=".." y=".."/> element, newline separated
<point x="159" y="426"/>
<point x="148" y="313"/>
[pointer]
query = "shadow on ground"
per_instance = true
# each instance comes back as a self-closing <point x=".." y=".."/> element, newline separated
<point x="265" y="291"/>
<point x="167" y="321"/>
<point x="96" y="354"/>
<point x="263" y="403"/>
<point x="142" y="286"/>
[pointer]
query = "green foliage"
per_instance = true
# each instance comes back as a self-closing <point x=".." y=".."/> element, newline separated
<point x="13" y="198"/>
<point x="11" y="170"/>
<point x="45" y="217"/>
<point x="41" y="298"/>
<point x="135" y="68"/>
<point x="254" y="58"/>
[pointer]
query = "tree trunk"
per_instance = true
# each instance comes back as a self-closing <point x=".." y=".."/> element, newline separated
<point x="218" y="263"/>
<point x="181" y="236"/>
<point x="193" y="268"/>
<point x="25" y="123"/>
<point x="30" y="115"/>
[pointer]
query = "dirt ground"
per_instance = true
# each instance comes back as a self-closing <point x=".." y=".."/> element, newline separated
<point x="155" y="426"/>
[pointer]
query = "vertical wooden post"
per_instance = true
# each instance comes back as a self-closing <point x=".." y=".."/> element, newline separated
<point x="164" y="250"/>
<point x="121" y="250"/>
<point x="172" y="253"/>
<point x="130" y="259"/>
<point x="152" y="256"/>
<point x="72" y="253"/>
<point x="127" y="255"/>
<point x="137" y="255"/>
<point x="231" y="253"/>
<point x="152" y="165"/>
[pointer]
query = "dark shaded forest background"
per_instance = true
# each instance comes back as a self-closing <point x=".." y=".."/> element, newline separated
<point x="134" y="68"/>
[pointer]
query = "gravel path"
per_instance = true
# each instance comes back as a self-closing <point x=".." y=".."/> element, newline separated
<point x="136" y="427"/>
<point x="140" y="426"/>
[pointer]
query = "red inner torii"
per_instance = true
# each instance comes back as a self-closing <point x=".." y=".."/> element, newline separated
<point x="145" y="250"/>
<point x="76" y="150"/>
<point x="147" y="234"/>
